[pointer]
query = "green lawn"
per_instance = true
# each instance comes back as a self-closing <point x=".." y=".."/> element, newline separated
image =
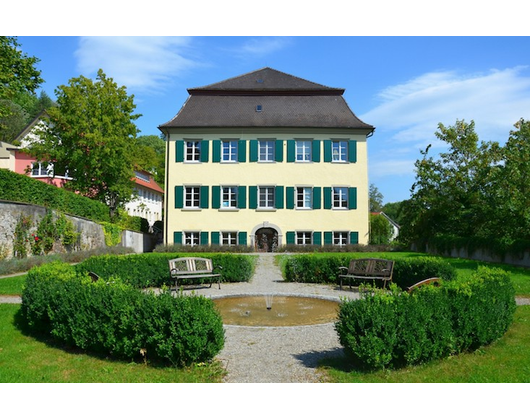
<point x="505" y="361"/>
<point x="26" y="359"/>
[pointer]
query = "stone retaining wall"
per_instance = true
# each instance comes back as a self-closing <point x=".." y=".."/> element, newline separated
<point x="91" y="236"/>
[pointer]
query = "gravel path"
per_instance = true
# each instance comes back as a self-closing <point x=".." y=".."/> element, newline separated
<point x="276" y="354"/>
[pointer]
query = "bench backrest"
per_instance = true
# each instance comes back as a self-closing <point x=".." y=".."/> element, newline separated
<point x="191" y="265"/>
<point x="371" y="267"/>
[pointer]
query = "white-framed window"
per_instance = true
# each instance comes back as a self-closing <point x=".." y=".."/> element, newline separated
<point x="266" y="197"/>
<point x="229" y="151"/>
<point x="339" y="151"/>
<point x="304" y="197"/>
<point x="192" y="238"/>
<point x="340" y="238"/>
<point x="193" y="151"/>
<point x="266" y="150"/>
<point x="40" y="169"/>
<point x="303" y="238"/>
<point x="192" y="197"/>
<point x="340" y="197"/>
<point x="303" y="150"/>
<point x="229" y="238"/>
<point x="229" y="197"/>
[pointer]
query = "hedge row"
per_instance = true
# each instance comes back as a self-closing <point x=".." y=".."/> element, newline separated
<point x="22" y="188"/>
<point x="110" y="317"/>
<point x="152" y="270"/>
<point x="325" y="269"/>
<point x="383" y="330"/>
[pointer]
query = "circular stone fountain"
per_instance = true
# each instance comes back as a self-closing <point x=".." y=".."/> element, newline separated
<point x="276" y="311"/>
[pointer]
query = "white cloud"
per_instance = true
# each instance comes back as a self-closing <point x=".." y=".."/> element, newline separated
<point x="410" y="112"/>
<point x="142" y="63"/>
<point x="261" y="46"/>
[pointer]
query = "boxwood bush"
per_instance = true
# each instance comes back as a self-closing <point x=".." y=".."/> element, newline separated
<point x="152" y="270"/>
<point x="111" y="317"/>
<point x="388" y="330"/>
<point x="317" y="268"/>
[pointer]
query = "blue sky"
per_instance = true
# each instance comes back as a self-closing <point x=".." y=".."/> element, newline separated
<point x="404" y="86"/>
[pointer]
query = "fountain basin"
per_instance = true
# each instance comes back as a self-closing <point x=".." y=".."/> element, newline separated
<point x="276" y="310"/>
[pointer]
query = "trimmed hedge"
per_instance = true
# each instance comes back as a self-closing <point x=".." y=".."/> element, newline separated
<point x="22" y="188"/>
<point x="152" y="270"/>
<point x="325" y="269"/>
<point x="111" y="317"/>
<point x="383" y="330"/>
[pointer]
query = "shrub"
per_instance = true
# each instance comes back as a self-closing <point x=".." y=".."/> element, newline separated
<point x="114" y="318"/>
<point x="383" y="330"/>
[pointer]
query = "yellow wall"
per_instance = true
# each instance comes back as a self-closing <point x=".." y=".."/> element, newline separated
<point x="322" y="174"/>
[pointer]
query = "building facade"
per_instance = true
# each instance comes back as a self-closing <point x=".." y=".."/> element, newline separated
<point x="266" y="159"/>
<point x="148" y="198"/>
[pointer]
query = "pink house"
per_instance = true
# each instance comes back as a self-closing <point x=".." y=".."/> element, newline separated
<point x="148" y="199"/>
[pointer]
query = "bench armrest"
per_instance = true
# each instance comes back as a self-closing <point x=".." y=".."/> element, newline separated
<point x="173" y="272"/>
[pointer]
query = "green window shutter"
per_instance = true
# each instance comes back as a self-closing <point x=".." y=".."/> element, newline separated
<point x="216" y="197"/>
<point x="328" y="238"/>
<point x="242" y="197"/>
<point x="253" y="151"/>
<point x="317" y="198"/>
<point x="315" y="150"/>
<point x="253" y="197"/>
<point x="242" y="238"/>
<point x="352" y="151"/>
<point x="354" y="238"/>
<point x="278" y="151"/>
<point x="177" y="238"/>
<point x="291" y="151"/>
<point x="290" y="238"/>
<point x="216" y="151"/>
<point x="317" y="238"/>
<point x="204" y="238"/>
<point x="327" y="151"/>
<point x="179" y="151"/>
<point x="242" y="151"/>
<point x="328" y="199"/>
<point x="215" y="238"/>
<point x="179" y="196"/>
<point x="278" y="197"/>
<point x="352" y="198"/>
<point x="204" y="197"/>
<point x="289" y="197"/>
<point x="204" y="151"/>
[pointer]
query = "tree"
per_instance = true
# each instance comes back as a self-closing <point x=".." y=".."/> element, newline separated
<point x="13" y="122"/>
<point x="395" y="211"/>
<point x="380" y="230"/>
<point x="376" y="199"/>
<point x="452" y="195"/>
<point x="151" y="156"/>
<point x="91" y="136"/>
<point x="17" y="73"/>
<point x="512" y="187"/>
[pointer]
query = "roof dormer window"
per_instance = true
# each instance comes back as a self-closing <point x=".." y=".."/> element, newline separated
<point x="259" y="108"/>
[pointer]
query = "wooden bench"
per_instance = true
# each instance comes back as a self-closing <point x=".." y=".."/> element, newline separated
<point x="193" y="268"/>
<point x="436" y="281"/>
<point x="368" y="269"/>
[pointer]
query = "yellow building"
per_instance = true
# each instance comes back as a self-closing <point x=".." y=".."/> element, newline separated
<point x="266" y="159"/>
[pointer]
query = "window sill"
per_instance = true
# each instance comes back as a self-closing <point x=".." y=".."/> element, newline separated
<point x="229" y="210"/>
<point x="191" y="209"/>
<point x="264" y="209"/>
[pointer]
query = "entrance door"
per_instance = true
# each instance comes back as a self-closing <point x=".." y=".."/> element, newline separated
<point x="266" y="240"/>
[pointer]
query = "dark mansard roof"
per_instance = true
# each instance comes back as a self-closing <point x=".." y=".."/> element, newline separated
<point x="266" y="98"/>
